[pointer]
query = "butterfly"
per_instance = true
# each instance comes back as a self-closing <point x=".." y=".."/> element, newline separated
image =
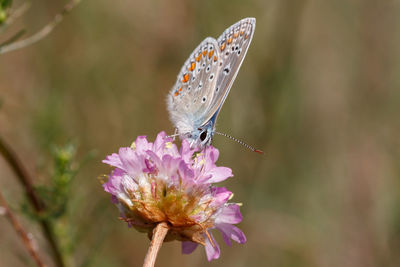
<point x="205" y="80"/>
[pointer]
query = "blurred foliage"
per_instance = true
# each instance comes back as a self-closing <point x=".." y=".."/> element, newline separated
<point x="46" y="123"/>
<point x="56" y="195"/>
<point x="4" y="7"/>
<point x="56" y="192"/>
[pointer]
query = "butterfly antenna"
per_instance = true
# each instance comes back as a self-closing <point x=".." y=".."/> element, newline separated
<point x="241" y="142"/>
<point x="173" y="135"/>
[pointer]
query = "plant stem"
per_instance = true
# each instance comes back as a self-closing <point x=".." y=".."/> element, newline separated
<point x="22" y="174"/>
<point x="48" y="28"/>
<point x="15" y="14"/>
<point x="21" y="232"/>
<point x="159" y="234"/>
<point x="26" y="180"/>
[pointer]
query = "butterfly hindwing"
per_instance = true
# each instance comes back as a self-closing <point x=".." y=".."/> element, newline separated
<point x="192" y="93"/>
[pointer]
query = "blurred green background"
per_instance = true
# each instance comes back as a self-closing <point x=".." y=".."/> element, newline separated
<point x="319" y="92"/>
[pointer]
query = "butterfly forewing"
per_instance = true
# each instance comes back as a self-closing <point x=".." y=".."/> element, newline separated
<point x="192" y="94"/>
<point x="205" y="80"/>
<point x="232" y="46"/>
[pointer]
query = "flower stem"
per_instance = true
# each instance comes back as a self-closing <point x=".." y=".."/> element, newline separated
<point x="26" y="180"/>
<point x="21" y="232"/>
<point x="159" y="234"/>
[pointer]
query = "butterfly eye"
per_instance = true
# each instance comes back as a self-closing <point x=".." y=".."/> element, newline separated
<point x="203" y="136"/>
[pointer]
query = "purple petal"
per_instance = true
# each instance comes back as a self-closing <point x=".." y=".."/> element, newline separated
<point x="150" y="168"/>
<point x="185" y="172"/>
<point x="142" y="144"/>
<point x="113" y="184"/>
<point x="188" y="247"/>
<point x="160" y="146"/>
<point x="114" y="199"/>
<point x="202" y="178"/>
<point x="172" y="150"/>
<point x="113" y="160"/>
<point x="154" y="157"/>
<point x="219" y="174"/>
<point x="212" y="252"/>
<point x="132" y="163"/>
<point x="169" y="164"/>
<point x="229" y="214"/>
<point x="229" y="232"/>
<point x="220" y="195"/>
<point x="169" y="168"/>
<point x="211" y="157"/>
<point x="186" y="152"/>
<point x="153" y="163"/>
<point x="159" y="143"/>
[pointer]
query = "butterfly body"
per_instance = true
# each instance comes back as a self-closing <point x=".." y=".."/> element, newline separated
<point x="205" y="80"/>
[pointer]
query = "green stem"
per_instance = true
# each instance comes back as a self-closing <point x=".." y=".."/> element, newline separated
<point x="26" y="180"/>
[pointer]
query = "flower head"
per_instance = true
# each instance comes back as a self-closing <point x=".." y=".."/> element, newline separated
<point x="156" y="182"/>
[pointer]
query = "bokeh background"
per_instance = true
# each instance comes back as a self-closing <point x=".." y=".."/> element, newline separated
<point x="319" y="92"/>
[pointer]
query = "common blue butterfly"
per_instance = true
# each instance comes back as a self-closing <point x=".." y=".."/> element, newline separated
<point x="205" y="80"/>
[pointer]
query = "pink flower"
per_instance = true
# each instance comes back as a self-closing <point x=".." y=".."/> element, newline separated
<point x="156" y="182"/>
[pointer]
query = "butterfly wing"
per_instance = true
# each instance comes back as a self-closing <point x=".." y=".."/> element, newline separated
<point x="193" y="91"/>
<point x="232" y="47"/>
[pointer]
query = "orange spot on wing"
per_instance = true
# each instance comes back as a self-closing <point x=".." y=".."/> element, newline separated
<point x="192" y="66"/>
<point x="205" y="52"/>
<point x="198" y="57"/>
<point x="180" y="89"/>
<point x="210" y="54"/>
<point x="223" y="46"/>
<point x="230" y="40"/>
<point x="185" y="78"/>
<point x="235" y="35"/>
<point x="215" y="58"/>
<point x="241" y="33"/>
<point x="176" y="93"/>
<point x="246" y="36"/>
